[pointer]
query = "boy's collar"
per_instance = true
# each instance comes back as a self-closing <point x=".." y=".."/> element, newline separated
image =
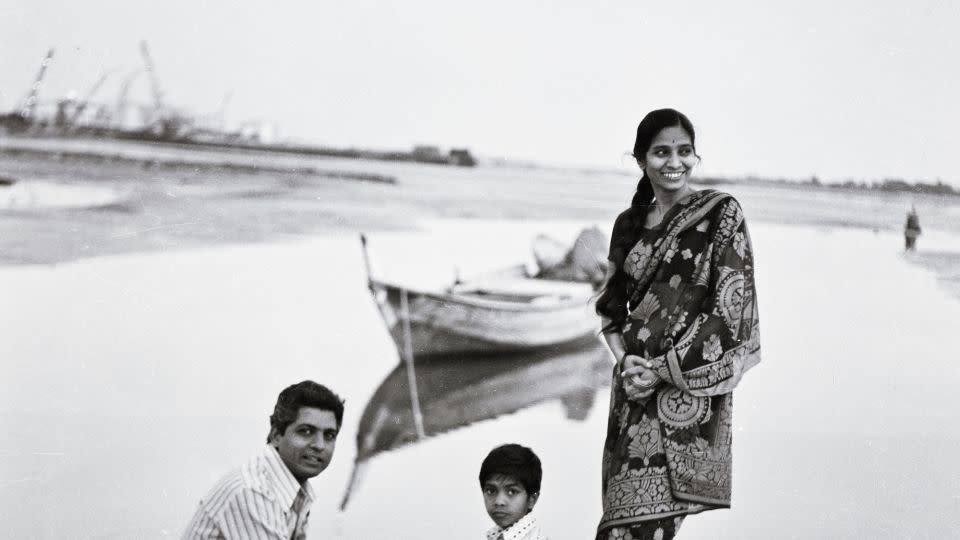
<point x="517" y="530"/>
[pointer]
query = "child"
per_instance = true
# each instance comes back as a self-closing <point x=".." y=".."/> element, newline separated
<point x="510" y="481"/>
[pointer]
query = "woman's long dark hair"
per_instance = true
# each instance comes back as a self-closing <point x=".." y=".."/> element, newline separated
<point x="612" y="302"/>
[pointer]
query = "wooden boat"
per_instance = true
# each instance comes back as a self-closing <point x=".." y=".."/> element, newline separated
<point x="502" y="312"/>
<point x="508" y="310"/>
<point x="513" y="314"/>
<point x="457" y="391"/>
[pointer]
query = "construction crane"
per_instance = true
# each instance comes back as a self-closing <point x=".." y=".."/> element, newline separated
<point x="154" y="83"/>
<point x="22" y="118"/>
<point x="30" y="102"/>
<point x="82" y="104"/>
<point x="166" y="124"/>
<point x="121" y="109"/>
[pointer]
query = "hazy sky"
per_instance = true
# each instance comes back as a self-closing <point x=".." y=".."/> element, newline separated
<point x="861" y="89"/>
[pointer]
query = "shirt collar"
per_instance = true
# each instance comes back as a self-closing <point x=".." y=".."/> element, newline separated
<point x="284" y="483"/>
<point x="515" y="531"/>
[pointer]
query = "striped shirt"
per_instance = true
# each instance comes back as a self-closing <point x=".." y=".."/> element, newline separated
<point x="261" y="500"/>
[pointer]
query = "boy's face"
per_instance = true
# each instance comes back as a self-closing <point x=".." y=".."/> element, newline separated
<point x="507" y="500"/>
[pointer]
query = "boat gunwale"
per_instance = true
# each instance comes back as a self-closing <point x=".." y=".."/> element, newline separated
<point x="474" y="301"/>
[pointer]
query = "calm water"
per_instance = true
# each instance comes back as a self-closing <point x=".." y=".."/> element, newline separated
<point x="130" y="383"/>
<point x="193" y="203"/>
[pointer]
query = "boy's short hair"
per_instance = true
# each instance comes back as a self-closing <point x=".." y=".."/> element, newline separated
<point x="515" y="461"/>
<point x="303" y="394"/>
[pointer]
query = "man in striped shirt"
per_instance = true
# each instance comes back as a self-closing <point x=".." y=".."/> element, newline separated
<point x="269" y="497"/>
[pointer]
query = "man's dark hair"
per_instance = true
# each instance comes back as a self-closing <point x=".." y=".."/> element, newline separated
<point x="303" y="394"/>
<point x="515" y="461"/>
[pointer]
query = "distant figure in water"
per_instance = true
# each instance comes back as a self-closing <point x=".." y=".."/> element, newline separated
<point x="911" y="230"/>
<point x="679" y="314"/>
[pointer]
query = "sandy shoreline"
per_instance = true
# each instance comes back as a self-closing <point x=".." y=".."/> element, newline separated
<point x="161" y="367"/>
<point x="214" y="198"/>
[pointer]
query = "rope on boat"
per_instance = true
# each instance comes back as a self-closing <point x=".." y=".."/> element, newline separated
<point x="408" y="358"/>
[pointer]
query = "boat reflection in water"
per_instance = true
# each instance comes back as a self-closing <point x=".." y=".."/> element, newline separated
<point x="456" y="391"/>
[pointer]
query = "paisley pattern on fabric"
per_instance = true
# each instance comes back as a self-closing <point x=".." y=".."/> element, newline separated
<point x="639" y="257"/>
<point x="658" y="529"/>
<point x="644" y="441"/>
<point x="645" y="311"/>
<point x="730" y="295"/>
<point x="701" y="466"/>
<point x="678" y="409"/>
<point x="691" y="311"/>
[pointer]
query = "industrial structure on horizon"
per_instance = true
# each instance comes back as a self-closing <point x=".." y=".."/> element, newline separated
<point x="157" y="121"/>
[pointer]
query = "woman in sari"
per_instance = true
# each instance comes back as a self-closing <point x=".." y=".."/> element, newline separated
<point x="679" y="313"/>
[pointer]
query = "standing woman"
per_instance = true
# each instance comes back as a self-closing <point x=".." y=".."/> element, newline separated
<point x="679" y="313"/>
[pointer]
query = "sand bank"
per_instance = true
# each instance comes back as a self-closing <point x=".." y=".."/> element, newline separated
<point x="38" y="194"/>
<point x="130" y="383"/>
<point x="214" y="198"/>
<point x="170" y="156"/>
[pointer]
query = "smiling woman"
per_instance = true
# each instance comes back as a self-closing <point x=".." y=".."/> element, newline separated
<point x="679" y="312"/>
<point x="668" y="163"/>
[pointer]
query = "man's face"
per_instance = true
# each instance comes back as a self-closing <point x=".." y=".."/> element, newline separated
<point x="307" y="445"/>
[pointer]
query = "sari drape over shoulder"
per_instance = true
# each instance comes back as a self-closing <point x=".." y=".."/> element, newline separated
<point x="691" y="310"/>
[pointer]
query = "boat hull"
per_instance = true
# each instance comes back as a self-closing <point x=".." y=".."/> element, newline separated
<point x="445" y="324"/>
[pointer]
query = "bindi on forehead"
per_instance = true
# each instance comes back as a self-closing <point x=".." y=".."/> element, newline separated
<point x="674" y="134"/>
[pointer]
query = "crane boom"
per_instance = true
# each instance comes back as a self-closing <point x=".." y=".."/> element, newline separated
<point x="82" y="105"/>
<point x="154" y="83"/>
<point x="121" y="109"/>
<point x="30" y="102"/>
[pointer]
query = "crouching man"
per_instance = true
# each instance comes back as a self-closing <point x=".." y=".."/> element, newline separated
<point x="269" y="496"/>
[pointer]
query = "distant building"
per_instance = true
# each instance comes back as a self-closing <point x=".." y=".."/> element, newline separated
<point x="432" y="154"/>
<point x="427" y="153"/>
<point x="462" y="157"/>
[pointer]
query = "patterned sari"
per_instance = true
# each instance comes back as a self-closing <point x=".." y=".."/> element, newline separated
<point x="692" y="311"/>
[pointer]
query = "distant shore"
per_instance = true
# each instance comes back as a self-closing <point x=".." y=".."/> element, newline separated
<point x="460" y="157"/>
<point x="49" y="148"/>
<point x="887" y="185"/>
<point x="74" y="199"/>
